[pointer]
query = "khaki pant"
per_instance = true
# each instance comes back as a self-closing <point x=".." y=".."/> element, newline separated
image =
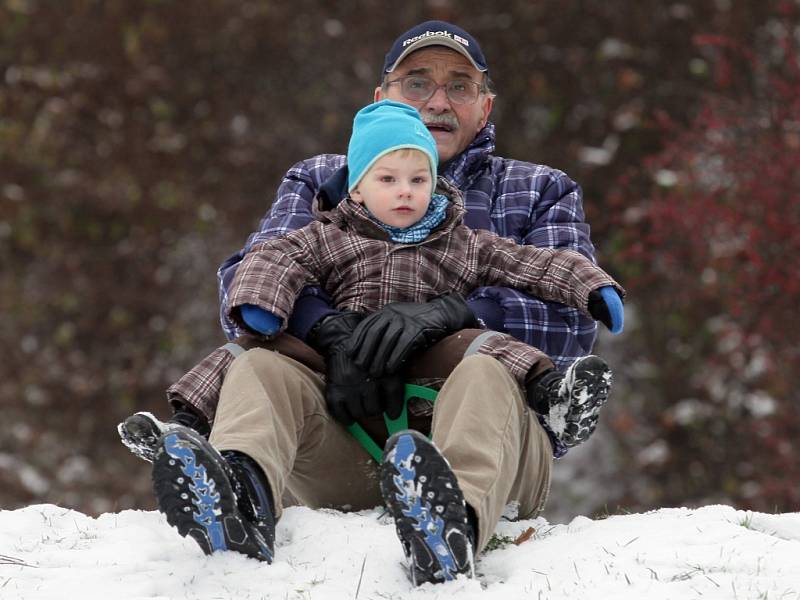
<point x="272" y="408"/>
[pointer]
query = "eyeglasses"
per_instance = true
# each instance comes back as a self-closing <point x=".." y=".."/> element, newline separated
<point x="421" y="89"/>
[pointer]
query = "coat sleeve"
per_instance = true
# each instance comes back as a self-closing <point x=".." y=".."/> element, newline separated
<point x="274" y="273"/>
<point x="557" y="221"/>
<point x="562" y="276"/>
<point x="291" y="209"/>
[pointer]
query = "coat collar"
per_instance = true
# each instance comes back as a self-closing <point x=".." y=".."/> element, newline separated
<point x="459" y="169"/>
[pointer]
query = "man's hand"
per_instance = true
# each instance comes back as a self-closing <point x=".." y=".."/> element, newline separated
<point x="350" y="392"/>
<point x="605" y="305"/>
<point x="383" y="341"/>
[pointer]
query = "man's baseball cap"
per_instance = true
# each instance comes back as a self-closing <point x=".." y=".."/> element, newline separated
<point x="435" y="33"/>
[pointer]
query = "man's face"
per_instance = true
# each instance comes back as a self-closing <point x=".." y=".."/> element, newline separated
<point x="453" y="126"/>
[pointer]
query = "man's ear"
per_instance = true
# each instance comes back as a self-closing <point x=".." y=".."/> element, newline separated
<point x="378" y="96"/>
<point x="488" y="102"/>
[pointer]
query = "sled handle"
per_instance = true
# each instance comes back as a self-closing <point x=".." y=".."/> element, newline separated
<point x="392" y="425"/>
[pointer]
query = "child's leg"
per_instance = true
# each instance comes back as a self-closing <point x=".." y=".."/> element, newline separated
<point x="493" y="441"/>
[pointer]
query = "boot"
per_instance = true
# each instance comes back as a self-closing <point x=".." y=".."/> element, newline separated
<point x="222" y="505"/>
<point x="570" y="403"/>
<point x="430" y="515"/>
<point x="140" y="431"/>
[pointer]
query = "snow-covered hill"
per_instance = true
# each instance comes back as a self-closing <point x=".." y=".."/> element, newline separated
<point x="713" y="552"/>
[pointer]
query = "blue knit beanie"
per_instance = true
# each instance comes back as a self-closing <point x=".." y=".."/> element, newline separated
<point x="384" y="127"/>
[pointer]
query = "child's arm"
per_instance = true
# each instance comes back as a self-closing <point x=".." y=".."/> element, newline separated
<point x="271" y="277"/>
<point x="290" y="210"/>
<point x="563" y="276"/>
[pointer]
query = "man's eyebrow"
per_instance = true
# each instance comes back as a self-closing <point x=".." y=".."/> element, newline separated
<point x="453" y="73"/>
<point x="461" y="74"/>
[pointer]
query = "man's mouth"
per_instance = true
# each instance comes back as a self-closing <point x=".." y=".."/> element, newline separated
<point x="443" y="123"/>
<point x="433" y="128"/>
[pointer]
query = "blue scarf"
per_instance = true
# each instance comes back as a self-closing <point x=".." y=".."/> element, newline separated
<point x="437" y="210"/>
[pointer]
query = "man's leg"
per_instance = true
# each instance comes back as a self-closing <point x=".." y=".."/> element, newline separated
<point x="271" y="434"/>
<point x="493" y="442"/>
<point x="272" y="409"/>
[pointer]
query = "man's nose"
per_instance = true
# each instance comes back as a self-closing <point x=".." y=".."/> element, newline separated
<point x="439" y="102"/>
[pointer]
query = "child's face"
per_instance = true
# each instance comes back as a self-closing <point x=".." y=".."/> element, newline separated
<point x="397" y="188"/>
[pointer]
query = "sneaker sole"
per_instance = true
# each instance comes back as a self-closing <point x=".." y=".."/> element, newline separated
<point x="422" y="493"/>
<point x="589" y="380"/>
<point x="194" y="493"/>
<point x="140" y="433"/>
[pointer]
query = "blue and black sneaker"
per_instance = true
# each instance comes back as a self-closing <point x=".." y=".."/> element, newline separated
<point x="223" y="503"/>
<point x="422" y="494"/>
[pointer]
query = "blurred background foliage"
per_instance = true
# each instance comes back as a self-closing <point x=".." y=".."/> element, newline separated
<point x="141" y="141"/>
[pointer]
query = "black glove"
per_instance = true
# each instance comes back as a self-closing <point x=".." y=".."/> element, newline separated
<point x="349" y="391"/>
<point x="383" y="341"/>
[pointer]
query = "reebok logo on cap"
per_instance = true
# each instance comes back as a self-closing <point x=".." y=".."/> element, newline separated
<point x="428" y="34"/>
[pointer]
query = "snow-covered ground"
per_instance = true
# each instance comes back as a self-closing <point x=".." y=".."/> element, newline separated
<point x="713" y="552"/>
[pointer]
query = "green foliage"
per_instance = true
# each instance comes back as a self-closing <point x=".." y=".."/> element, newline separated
<point x="496" y="542"/>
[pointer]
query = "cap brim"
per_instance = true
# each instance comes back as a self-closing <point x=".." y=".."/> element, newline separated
<point x="437" y="41"/>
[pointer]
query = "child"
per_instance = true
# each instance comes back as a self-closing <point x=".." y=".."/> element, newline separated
<point x="395" y="241"/>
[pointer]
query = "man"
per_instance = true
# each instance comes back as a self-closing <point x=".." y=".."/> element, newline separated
<point x="273" y="431"/>
<point x="533" y="204"/>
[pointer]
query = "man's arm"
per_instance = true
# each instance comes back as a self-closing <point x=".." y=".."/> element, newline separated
<point x="291" y="209"/>
<point x="557" y="221"/>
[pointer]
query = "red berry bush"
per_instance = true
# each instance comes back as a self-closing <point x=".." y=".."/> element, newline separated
<point x="710" y="228"/>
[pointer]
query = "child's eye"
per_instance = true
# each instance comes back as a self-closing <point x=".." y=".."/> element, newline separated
<point x="387" y="178"/>
<point x="419" y="180"/>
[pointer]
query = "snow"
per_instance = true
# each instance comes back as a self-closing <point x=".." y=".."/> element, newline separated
<point x="713" y="552"/>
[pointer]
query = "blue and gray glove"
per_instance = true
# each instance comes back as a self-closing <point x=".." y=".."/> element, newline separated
<point x="260" y="320"/>
<point x="605" y="305"/>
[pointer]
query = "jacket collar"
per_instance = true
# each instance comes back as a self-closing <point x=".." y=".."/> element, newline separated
<point x="333" y="189"/>
<point x="459" y="168"/>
